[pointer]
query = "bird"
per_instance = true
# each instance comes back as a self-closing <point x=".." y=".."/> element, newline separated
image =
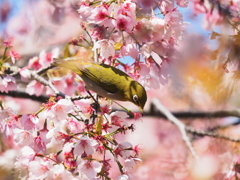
<point x="105" y="80"/>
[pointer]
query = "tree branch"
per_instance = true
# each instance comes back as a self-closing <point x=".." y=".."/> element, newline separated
<point x="47" y="83"/>
<point x="210" y="134"/>
<point x="179" y="124"/>
<point x="20" y="94"/>
<point x="41" y="98"/>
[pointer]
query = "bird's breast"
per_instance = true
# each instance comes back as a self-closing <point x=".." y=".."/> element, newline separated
<point x="100" y="90"/>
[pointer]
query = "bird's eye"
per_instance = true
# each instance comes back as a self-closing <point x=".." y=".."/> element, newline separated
<point x="135" y="99"/>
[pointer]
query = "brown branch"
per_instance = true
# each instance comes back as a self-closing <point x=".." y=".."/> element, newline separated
<point x="210" y="134"/>
<point x="20" y="94"/>
<point x="189" y="129"/>
<point x="41" y="98"/>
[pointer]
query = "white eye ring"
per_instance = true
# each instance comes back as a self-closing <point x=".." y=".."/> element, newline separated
<point x="135" y="99"/>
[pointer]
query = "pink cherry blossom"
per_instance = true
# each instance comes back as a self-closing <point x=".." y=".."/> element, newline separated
<point x="90" y="168"/>
<point x="200" y="6"/>
<point x="38" y="169"/>
<point x="29" y="122"/>
<point x="34" y="63"/>
<point x="182" y="3"/>
<point x="166" y="6"/>
<point x="7" y="83"/>
<point x="124" y="23"/>
<point x="47" y="58"/>
<point x="35" y="88"/>
<point x="126" y="17"/>
<point x="22" y="137"/>
<point x="100" y="15"/>
<point x="85" y="144"/>
<point x="39" y="145"/>
<point x="75" y="126"/>
<point x="8" y="43"/>
<point x="27" y="155"/>
<point x="14" y="56"/>
<point x="129" y="49"/>
<point x="123" y="149"/>
<point x="60" y="110"/>
<point x="106" y="47"/>
<point x="69" y="160"/>
<point x="146" y="5"/>
<point x="148" y="50"/>
<point x="58" y="172"/>
<point x="119" y="118"/>
<point x="137" y="116"/>
<point x="6" y="113"/>
<point x="148" y="78"/>
<point x="158" y="27"/>
<point x="71" y="86"/>
<point x="143" y="30"/>
<point x="84" y="12"/>
<point x="212" y="19"/>
<point x="130" y="162"/>
<point x="25" y="74"/>
<point x="9" y="124"/>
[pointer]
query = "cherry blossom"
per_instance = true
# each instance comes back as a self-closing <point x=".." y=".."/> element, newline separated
<point x="69" y="160"/>
<point x="90" y="168"/>
<point x="38" y="169"/>
<point x="7" y="83"/>
<point x="106" y="47"/>
<point x="8" y="43"/>
<point x="59" y="110"/>
<point x="85" y="145"/>
<point x="75" y="126"/>
<point x="27" y="155"/>
<point x="35" y="87"/>
<point x="25" y="74"/>
<point x="22" y="137"/>
<point x="59" y="172"/>
<point x="14" y="56"/>
<point x="123" y="149"/>
<point x="29" y="122"/>
<point x="129" y="163"/>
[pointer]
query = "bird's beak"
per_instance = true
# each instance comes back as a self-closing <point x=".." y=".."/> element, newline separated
<point x="141" y="110"/>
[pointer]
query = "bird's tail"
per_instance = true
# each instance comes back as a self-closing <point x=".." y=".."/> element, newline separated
<point x="74" y="63"/>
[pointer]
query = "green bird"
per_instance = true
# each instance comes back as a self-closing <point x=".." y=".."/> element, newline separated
<point x="107" y="81"/>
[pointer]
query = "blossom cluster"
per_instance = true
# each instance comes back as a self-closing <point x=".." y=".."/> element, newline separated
<point x="59" y="141"/>
<point x="131" y="29"/>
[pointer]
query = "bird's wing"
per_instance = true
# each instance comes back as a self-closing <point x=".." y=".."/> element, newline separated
<point x="104" y="77"/>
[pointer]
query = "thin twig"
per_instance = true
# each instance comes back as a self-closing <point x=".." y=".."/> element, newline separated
<point x="235" y="123"/>
<point x="179" y="124"/>
<point x="44" y="69"/>
<point x="46" y="83"/>
<point x="210" y="134"/>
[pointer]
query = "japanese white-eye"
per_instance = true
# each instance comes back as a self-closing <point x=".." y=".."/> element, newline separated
<point x="107" y="81"/>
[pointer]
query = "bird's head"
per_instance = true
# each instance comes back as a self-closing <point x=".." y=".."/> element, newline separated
<point x="138" y="95"/>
